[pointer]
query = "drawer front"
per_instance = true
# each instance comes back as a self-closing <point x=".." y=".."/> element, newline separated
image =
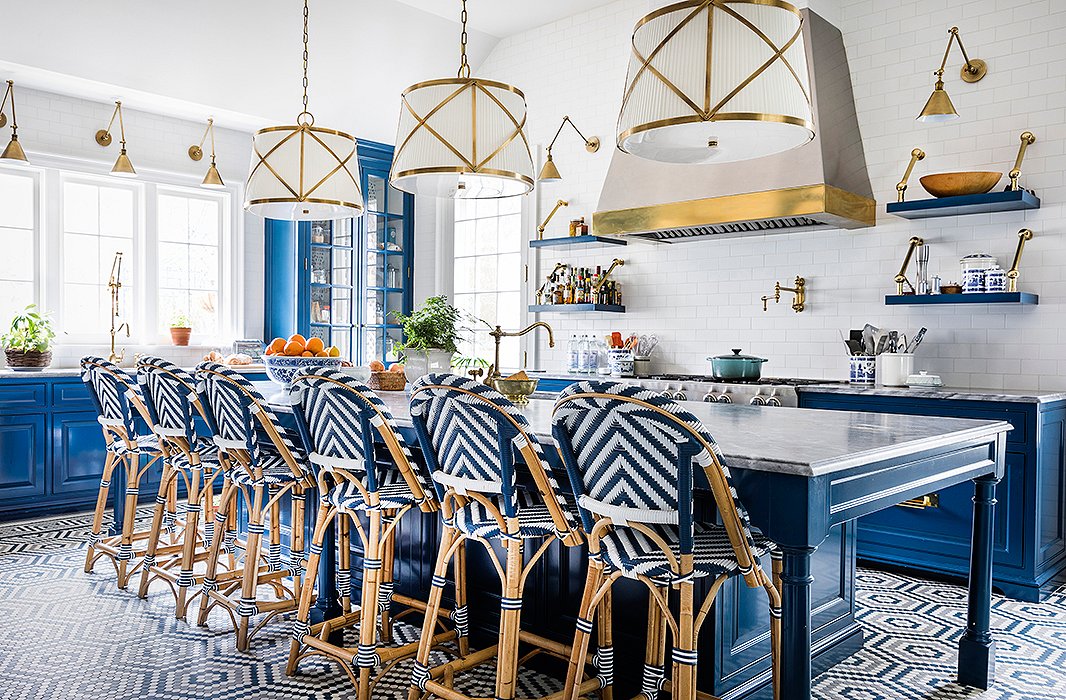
<point x="71" y="395"/>
<point x="22" y="397"/>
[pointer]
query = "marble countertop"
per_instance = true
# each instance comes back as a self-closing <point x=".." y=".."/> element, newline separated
<point x="943" y="392"/>
<point x="7" y="373"/>
<point x="785" y="440"/>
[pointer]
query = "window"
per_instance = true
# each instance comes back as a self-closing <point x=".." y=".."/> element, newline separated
<point x="189" y="260"/>
<point x="488" y="271"/>
<point x="18" y="241"/>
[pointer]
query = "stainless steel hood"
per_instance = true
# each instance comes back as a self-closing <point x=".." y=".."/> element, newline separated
<point x="821" y="185"/>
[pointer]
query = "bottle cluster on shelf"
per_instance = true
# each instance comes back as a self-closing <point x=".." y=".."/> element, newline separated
<point x="582" y="285"/>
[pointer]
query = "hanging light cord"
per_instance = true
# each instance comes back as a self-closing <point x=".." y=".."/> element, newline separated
<point x="306" y="117"/>
<point x="464" y="64"/>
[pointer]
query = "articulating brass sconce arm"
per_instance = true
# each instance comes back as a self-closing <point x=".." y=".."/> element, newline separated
<point x="617" y="262"/>
<point x="552" y="276"/>
<point x="103" y="136"/>
<point x="196" y="151"/>
<point x="1023" y="236"/>
<point x="800" y="290"/>
<point x="1028" y="139"/>
<point x="901" y="276"/>
<point x="592" y="144"/>
<point x="544" y="224"/>
<point x="9" y="94"/>
<point x="916" y="155"/>
<point x="972" y="71"/>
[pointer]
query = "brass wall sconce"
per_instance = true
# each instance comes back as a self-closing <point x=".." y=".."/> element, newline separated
<point x="800" y="291"/>
<point x="901" y="276"/>
<point x="1012" y="276"/>
<point x="544" y="224"/>
<point x="14" y="151"/>
<point x="123" y="167"/>
<point x="1028" y="139"/>
<point x="938" y="107"/>
<point x="916" y="155"/>
<point x="550" y="173"/>
<point x="212" y="180"/>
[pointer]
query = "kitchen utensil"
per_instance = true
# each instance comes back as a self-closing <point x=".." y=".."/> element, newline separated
<point x="917" y="340"/>
<point x="893" y="341"/>
<point x="882" y="343"/>
<point x="934" y="285"/>
<point x="922" y="281"/>
<point x="895" y="368"/>
<point x="736" y="366"/>
<point x="924" y="379"/>
<point x="641" y="366"/>
<point x="869" y="337"/>
<point x="847" y="343"/>
<point x="958" y="184"/>
<point x="862" y="369"/>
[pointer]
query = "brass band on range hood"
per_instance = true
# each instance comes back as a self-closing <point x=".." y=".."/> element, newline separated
<point x="831" y="205"/>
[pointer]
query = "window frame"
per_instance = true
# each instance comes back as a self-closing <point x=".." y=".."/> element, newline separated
<point x="36" y="176"/>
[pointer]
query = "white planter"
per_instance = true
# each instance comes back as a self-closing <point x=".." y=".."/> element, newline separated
<point x="420" y="363"/>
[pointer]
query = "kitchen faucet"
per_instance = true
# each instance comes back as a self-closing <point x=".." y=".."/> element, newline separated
<point x="115" y="284"/>
<point x="498" y="333"/>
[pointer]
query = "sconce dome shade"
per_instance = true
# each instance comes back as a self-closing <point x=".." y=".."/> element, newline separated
<point x="462" y="137"/>
<point x="14" y="152"/>
<point x="303" y="173"/>
<point x="938" y="108"/>
<point x="123" y="166"/>
<point x="716" y="81"/>
<point x="213" y="179"/>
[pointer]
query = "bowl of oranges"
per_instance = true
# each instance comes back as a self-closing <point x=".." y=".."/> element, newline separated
<point x="284" y="358"/>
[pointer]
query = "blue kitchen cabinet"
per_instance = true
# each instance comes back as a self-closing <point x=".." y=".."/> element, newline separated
<point x="78" y="454"/>
<point x="22" y="456"/>
<point x="933" y="535"/>
<point x="345" y="280"/>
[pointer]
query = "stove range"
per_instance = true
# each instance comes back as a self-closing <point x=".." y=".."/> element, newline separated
<point x="768" y="391"/>
<point x="785" y="381"/>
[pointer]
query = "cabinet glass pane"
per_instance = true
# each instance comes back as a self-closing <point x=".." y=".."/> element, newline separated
<point x="375" y="270"/>
<point x="394" y="234"/>
<point x="342" y="340"/>
<point x="375" y="232"/>
<point x="343" y="232"/>
<point x="371" y="348"/>
<point x="341" y="311"/>
<point x="393" y="305"/>
<point x="374" y="312"/>
<point x="321" y="305"/>
<point x="393" y="271"/>
<point x="375" y="193"/>
<point x="321" y="232"/>
<point x="320" y="265"/>
<point x="323" y="333"/>
<point x="342" y="266"/>
<point x="395" y="200"/>
<point x="393" y="338"/>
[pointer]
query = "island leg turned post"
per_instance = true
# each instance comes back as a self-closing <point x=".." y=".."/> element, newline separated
<point x="977" y="649"/>
<point x="328" y="604"/>
<point x="796" y="580"/>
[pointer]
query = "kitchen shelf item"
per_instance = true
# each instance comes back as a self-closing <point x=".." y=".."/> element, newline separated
<point x="1007" y="200"/>
<point x="942" y="185"/>
<point x="924" y="379"/>
<point x="282" y="368"/>
<point x="862" y="369"/>
<point x="895" y="368"/>
<point x="982" y="298"/>
<point x="573" y="308"/>
<point x="387" y="381"/>
<point x="736" y="366"/>
<point x="577" y="241"/>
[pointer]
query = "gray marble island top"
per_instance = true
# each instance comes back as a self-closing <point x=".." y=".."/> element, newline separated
<point x="798" y="441"/>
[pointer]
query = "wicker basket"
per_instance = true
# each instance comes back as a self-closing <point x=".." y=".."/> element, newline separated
<point x="387" y="381"/>
<point x="30" y="358"/>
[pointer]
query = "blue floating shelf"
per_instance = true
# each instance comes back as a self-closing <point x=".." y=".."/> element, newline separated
<point x="966" y="204"/>
<point x="985" y="298"/>
<point x="572" y="308"/>
<point x="577" y="241"/>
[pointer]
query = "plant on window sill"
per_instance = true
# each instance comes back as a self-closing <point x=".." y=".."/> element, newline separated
<point x="180" y="329"/>
<point x="28" y="341"/>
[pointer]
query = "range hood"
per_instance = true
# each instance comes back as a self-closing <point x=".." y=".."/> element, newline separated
<point x="820" y="185"/>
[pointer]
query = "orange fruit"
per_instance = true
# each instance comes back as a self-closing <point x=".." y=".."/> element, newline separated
<point x="396" y="367"/>
<point x="377" y="366"/>
<point x="333" y="351"/>
<point x="321" y="353"/>
<point x="315" y="345"/>
<point x="307" y="353"/>
<point x="294" y="349"/>
<point x="297" y="338"/>
<point x="276" y="345"/>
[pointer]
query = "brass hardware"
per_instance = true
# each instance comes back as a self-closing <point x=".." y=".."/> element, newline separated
<point x="1012" y="276"/>
<point x="114" y="283"/>
<point x="617" y="262"/>
<point x="497" y="333"/>
<point x="916" y="155"/>
<point x="544" y="224"/>
<point x="846" y="210"/>
<point x="212" y="180"/>
<point x="1028" y="139"/>
<point x="931" y="500"/>
<point x="552" y="276"/>
<point x="800" y="290"/>
<point x="13" y="151"/>
<point x="123" y="166"/>
<point x="901" y="276"/>
<point x="939" y="107"/>
<point x="550" y="173"/>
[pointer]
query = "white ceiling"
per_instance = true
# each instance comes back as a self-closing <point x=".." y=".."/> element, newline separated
<point x="502" y="18"/>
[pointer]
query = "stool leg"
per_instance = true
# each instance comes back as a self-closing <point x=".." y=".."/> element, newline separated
<point x="655" y="652"/>
<point x="420" y="672"/>
<point x="189" y="541"/>
<point x="461" y="614"/>
<point x="605" y="641"/>
<point x="155" y="531"/>
<point x="299" y="532"/>
<point x="510" y="622"/>
<point x="125" y="550"/>
<point x="301" y="626"/>
<point x="344" y="566"/>
<point x="384" y="600"/>
<point x="372" y="568"/>
<point x="274" y="550"/>
<point x="225" y="506"/>
<point x="777" y="561"/>
<point x="101" y="505"/>
<point x="250" y="578"/>
<point x="683" y="669"/>
<point x="582" y="630"/>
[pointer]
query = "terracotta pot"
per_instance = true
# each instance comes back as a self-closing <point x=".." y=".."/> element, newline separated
<point x="31" y="358"/>
<point x="180" y="336"/>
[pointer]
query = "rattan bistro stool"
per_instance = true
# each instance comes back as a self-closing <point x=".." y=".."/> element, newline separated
<point x="170" y="395"/>
<point x="338" y="418"/>
<point x="263" y="464"/>
<point x="118" y="403"/>
<point x="471" y="438"/>
<point x="629" y="454"/>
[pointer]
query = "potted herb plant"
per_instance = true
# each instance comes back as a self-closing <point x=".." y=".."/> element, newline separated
<point x="28" y="341"/>
<point x="432" y="335"/>
<point x="180" y="329"/>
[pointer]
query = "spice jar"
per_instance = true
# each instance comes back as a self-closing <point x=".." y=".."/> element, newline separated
<point x="574" y="225"/>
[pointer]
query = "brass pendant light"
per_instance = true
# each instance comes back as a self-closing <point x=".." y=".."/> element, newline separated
<point x="13" y="153"/>
<point x="212" y="180"/>
<point x="303" y="172"/>
<point x="123" y="166"/>
<point x="462" y="137"/>
<point x="938" y="108"/>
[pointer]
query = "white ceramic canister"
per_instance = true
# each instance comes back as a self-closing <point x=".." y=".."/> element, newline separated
<point x="895" y="368"/>
<point x="996" y="280"/>
<point x="974" y="269"/>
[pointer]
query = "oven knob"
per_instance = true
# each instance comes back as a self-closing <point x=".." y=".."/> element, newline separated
<point x="666" y="394"/>
<point x="724" y="398"/>
<point x="758" y="401"/>
<point x="773" y="401"/>
<point x="680" y="396"/>
<point x="710" y="398"/>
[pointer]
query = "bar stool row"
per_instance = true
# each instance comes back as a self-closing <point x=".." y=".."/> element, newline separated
<point x="630" y="459"/>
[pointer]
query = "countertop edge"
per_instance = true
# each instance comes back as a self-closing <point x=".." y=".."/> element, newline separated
<point x="942" y="393"/>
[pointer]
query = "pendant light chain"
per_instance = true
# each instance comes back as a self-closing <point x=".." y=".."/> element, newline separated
<point x="464" y="64"/>
<point x="305" y="116"/>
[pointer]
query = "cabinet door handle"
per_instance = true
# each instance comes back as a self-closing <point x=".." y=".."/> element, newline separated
<point x="931" y="500"/>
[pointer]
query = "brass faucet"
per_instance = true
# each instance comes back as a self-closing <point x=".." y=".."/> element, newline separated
<point x="800" y="290"/>
<point x="498" y="333"/>
<point x="114" y="283"/>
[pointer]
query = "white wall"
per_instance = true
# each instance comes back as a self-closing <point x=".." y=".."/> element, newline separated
<point x="702" y="298"/>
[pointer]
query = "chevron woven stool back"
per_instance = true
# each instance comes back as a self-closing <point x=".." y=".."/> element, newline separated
<point x="170" y="397"/>
<point x="115" y="394"/>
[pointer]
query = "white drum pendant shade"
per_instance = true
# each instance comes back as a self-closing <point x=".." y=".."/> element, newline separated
<point x="303" y="173"/>
<point x="715" y="81"/>
<point x="462" y="137"/>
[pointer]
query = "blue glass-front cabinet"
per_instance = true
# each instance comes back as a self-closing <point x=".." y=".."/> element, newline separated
<point x="344" y="280"/>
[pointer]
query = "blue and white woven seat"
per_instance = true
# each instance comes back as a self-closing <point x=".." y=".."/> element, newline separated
<point x="393" y="493"/>
<point x="142" y="444"/>
<point x="204" y="447"/>
<point x="534" y="518"/>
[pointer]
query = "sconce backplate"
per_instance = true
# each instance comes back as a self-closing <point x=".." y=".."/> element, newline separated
<point x="980" y="70"/>
<point x="103" y="137"/>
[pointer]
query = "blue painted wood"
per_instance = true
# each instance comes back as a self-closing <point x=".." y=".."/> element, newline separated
<point x="281" y="291"/>
<point x="574" y="308"/>
<point x="22" y="396"/>
<point x="554" y="385"/>
<point x="966" y="204"/>
<point x="577" y="241"/>
<point x="977" y="648"/>
<point x="78" y="453"/>
<point x="22" y="456"/>
<point x="984" y="298"/>
<point x="796" y="583"/>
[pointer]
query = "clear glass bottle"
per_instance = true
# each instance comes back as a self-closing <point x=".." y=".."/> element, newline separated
<point x="572" y="354"/>
<point x="603" y="365"/>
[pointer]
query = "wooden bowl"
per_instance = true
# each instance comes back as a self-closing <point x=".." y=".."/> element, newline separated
<point x="958" y="184"/>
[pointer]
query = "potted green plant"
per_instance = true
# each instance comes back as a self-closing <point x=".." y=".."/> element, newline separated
<point x="432" y="334"/>
<point x="28" y="341"/>
<point x="180" y="328"/>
